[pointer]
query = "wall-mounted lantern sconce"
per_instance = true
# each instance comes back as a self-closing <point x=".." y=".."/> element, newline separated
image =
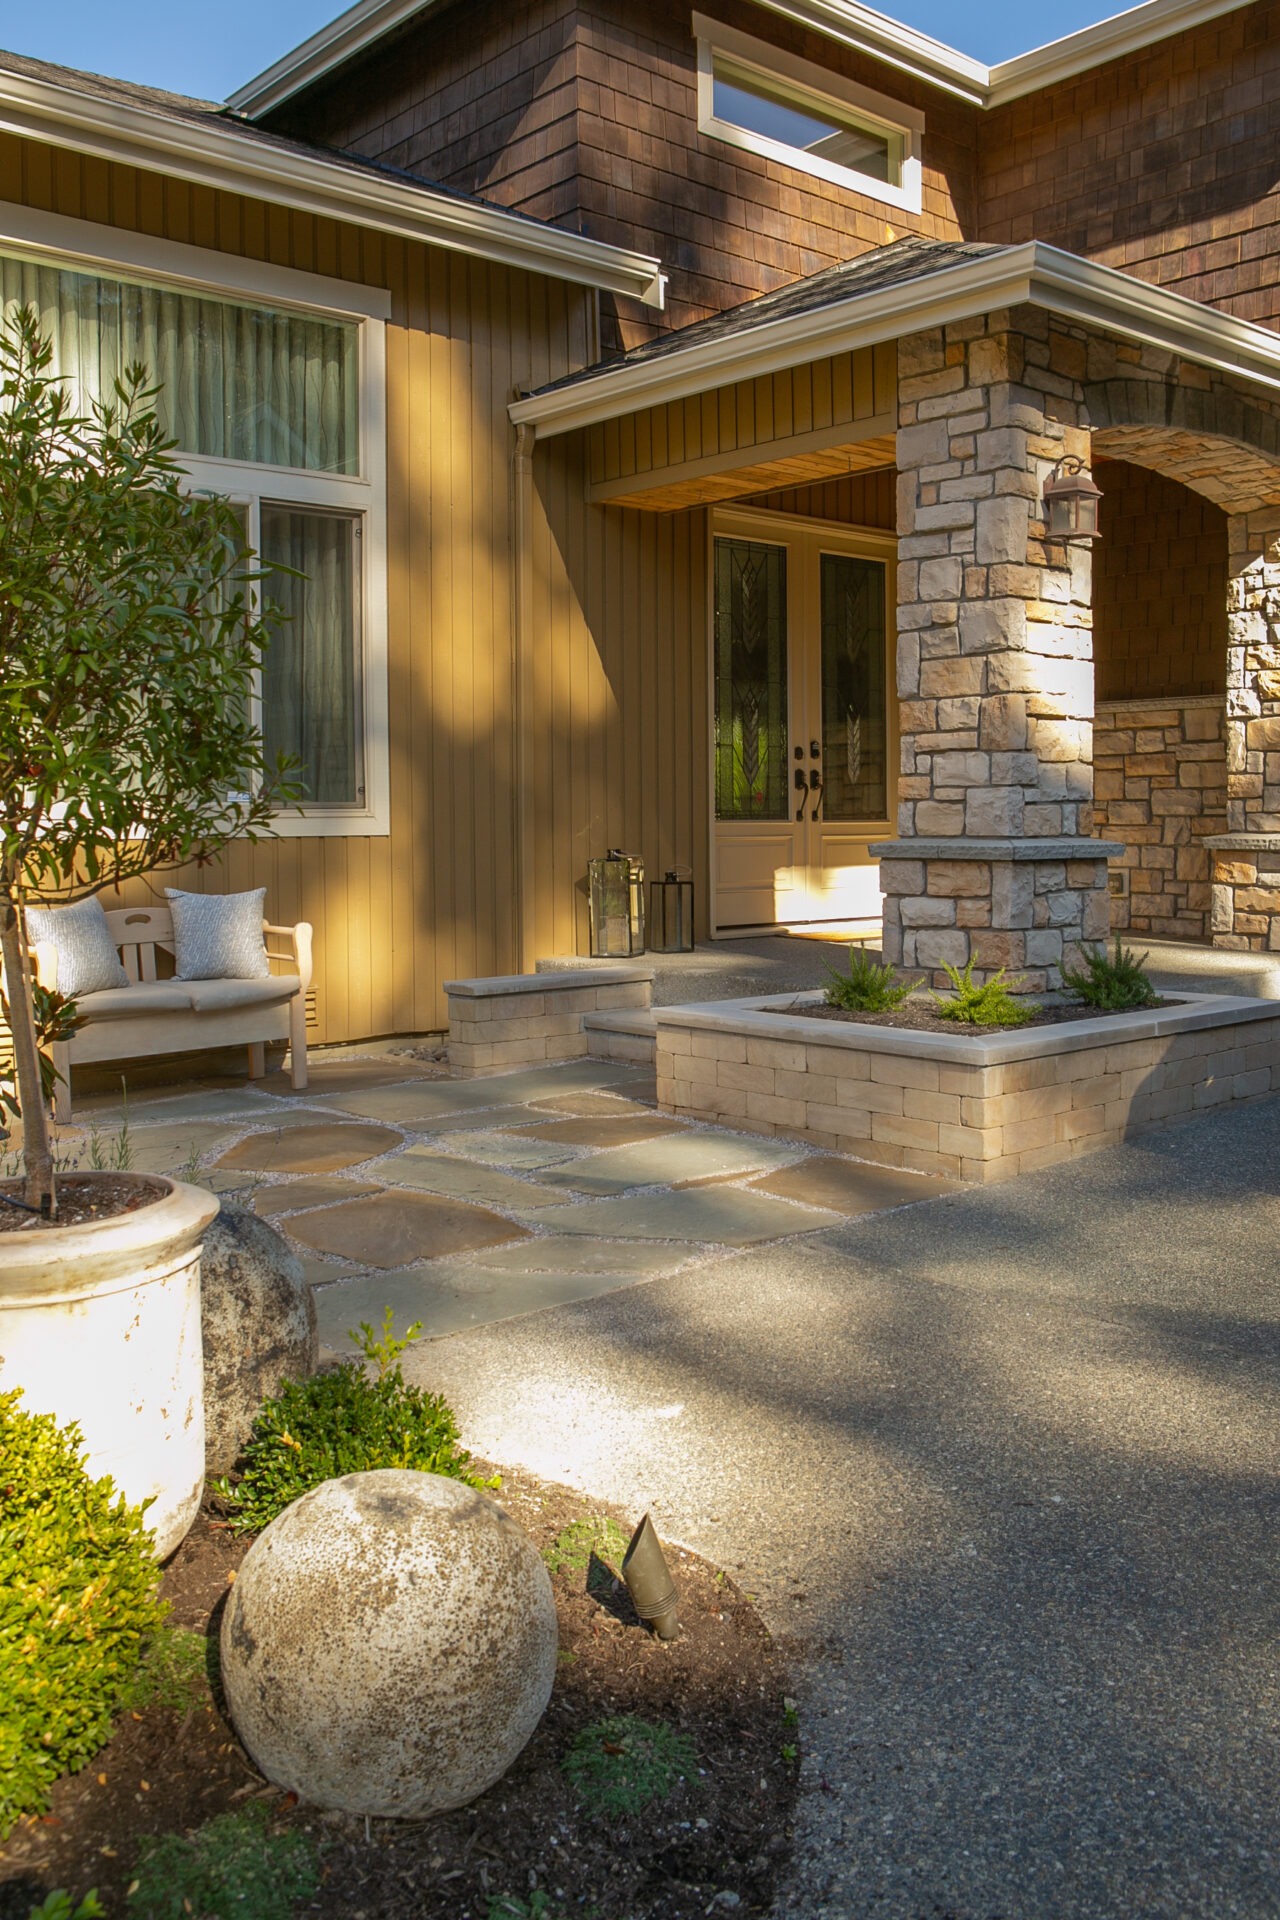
<point x="1071" y="498"/>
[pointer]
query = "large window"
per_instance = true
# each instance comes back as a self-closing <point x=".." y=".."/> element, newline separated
<point x="274" y="406"/>
<point x="772" y="103"/>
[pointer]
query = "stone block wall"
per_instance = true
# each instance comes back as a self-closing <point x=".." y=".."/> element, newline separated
<point x="1006" y="906"/>
<point x="518" y="1020"/>
<point x="985" y="1109"/>
<point x="1160" y="786"/>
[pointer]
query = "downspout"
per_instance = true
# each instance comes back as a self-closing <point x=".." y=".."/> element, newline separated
<point x="521" y="639"/>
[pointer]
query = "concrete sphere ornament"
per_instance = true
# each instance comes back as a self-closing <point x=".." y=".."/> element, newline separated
<point x="389" y="1644"/>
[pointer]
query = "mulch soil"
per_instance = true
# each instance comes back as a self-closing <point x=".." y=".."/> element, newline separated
<point x="924" y="1018"/>
<point x="81" y="1198"/>
<point x="722" y="1682"/>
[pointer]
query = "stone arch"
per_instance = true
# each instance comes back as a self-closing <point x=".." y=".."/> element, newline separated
<point x="1211" y="438"/>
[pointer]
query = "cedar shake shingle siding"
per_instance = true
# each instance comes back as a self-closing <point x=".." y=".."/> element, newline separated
<point x="583" y="116"/>
<point x="1164" y="164"/>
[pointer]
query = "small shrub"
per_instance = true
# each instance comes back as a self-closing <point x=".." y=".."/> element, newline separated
<point x="621" y="1764"/>
<point x="57" y="1906"/>
<point x="233" y="1868"/>
<point x="342" y="1422"/>
<point x="571" y="1551"/>
<point x="178" y="1671"/>
<point x="78" y="1603"/>
<point x="1115" y="983"/>
<point x="991" y="1005"/>
<point x="867" y="987"/>
<point x="509" y="1906"/>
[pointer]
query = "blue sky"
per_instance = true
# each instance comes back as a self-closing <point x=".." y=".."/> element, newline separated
<point x="210" y="51"/>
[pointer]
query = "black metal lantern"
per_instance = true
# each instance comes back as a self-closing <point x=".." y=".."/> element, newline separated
<point x="671" y="912"/>
<point x="1071" y="497"/>
<point x="617" y="905"/>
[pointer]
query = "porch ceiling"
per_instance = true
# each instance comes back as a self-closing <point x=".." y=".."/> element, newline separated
<point x="703" y="482"/>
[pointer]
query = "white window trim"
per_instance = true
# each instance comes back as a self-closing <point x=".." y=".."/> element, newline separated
<point x="881" y="114"/>
<point x="82" y="245"/>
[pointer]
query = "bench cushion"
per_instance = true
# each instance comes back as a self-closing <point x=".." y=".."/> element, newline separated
<point x="123" y="1003"/>
<point x="186" y="996"/>
<point x="219" y="996"/>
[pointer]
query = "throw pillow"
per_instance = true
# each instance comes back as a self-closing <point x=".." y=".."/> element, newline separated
<point x="218" y="936"/>
<point x="87" y="957"/>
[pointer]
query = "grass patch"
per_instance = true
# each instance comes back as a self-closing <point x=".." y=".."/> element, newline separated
<point x="571" y="1551"/>
<point x="234" y="1868"/>
<point x="179" y="1670"/>
<point x="623" y="1764"/>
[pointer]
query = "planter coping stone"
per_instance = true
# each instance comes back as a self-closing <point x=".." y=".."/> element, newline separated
<point x="568" y="980"/>
<point x="765" y="1019"/>
<point x="1242" y="842"/>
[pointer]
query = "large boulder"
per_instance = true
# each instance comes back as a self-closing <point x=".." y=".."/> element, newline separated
<point x="389" y="1644"/>
<point x="258" y="1320"/>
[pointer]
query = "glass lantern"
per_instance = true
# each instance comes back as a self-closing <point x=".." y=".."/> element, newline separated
<point x="671" y="913"/>
<point x="616" y="881"/>
<point x="1071" y="497"/>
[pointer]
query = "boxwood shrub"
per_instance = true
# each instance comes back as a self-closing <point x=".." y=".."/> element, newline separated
<point x="78" y="1601"/>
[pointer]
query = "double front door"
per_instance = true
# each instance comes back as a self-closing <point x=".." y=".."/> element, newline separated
<point x="802" y="740"/>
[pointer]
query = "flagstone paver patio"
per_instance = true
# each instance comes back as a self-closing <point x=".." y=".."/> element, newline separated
<point x="458" y="1203"/>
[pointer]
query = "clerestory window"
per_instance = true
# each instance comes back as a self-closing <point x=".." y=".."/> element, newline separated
<point x="275" y="406"/>
<point x="758" y="97"/>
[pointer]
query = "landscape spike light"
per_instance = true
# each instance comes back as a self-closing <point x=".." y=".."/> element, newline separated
<point x="649" y="1582"/>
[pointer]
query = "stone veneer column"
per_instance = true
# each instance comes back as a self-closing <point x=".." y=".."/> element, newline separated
<point x="994" y="862"/>
<point x="1245" y="901"/>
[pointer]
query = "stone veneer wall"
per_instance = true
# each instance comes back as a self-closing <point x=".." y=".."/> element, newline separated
<point x="1160" y="785"/>
<point x="518" y="1020"/>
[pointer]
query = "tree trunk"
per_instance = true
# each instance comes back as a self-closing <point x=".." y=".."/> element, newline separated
<point x="37" y="1153"/>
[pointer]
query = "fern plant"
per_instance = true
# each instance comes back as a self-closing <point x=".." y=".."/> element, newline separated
<point x="1114" y="983"/>
<point x="867" y="987"/>
<point x="990" y="1005"/>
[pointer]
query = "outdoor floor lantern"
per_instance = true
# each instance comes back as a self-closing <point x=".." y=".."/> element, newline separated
<point x="671" y="912"/>
<point x="617" y="905"/>
<point x="1071" y="497"/>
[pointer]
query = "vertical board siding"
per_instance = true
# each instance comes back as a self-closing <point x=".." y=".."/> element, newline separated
<point x="396" y="915"/>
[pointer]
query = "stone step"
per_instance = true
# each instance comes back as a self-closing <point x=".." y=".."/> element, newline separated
<point x="624" y="1035"/>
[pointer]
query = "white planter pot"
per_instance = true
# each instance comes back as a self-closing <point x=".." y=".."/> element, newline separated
<point x="100" y="1324"/>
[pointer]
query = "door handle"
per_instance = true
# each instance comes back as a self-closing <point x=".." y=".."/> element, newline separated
<point x="815" y="788"/>
<point x="802" y="787"/>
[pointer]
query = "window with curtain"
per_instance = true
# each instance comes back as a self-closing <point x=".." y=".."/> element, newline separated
<point x="250" y="394"/>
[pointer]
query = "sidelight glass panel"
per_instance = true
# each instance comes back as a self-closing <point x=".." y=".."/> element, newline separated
<point x="311" y="674"/>
<point x="854" y="724"/>
<point x="751" y="680"/>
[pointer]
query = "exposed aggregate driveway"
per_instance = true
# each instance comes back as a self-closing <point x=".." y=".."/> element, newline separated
<point x="1004" y="1464"/>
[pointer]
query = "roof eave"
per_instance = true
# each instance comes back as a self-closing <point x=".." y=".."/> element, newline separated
<point x="1033" y="274"/>
<point x="345" y="38"/>
<point x="223" y="156"/>
<point x="847" y="21"/>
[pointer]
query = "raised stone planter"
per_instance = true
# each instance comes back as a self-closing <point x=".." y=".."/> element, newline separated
<point x="517" y="1020"/>
<point x="983" y="1107"/>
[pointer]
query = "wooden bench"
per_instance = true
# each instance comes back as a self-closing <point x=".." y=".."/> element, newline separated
<point x="157" y="1014"/>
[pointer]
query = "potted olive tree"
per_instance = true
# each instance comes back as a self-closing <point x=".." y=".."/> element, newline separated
<point x="129" y="646"/>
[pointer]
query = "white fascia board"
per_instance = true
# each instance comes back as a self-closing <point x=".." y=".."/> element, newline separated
<point x="942" y="66"/>
<point x="342" y="40"/>
<point x="1031" y="274"/>
<point x="1111" y="39"/>
<point x="222" y="156"/>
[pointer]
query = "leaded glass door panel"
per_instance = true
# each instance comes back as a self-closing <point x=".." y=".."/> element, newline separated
<point x="802" y="735"/>
<point x="760" y="847"/>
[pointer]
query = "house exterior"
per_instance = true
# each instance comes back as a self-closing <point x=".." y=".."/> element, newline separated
<point x="659" y="407"/>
